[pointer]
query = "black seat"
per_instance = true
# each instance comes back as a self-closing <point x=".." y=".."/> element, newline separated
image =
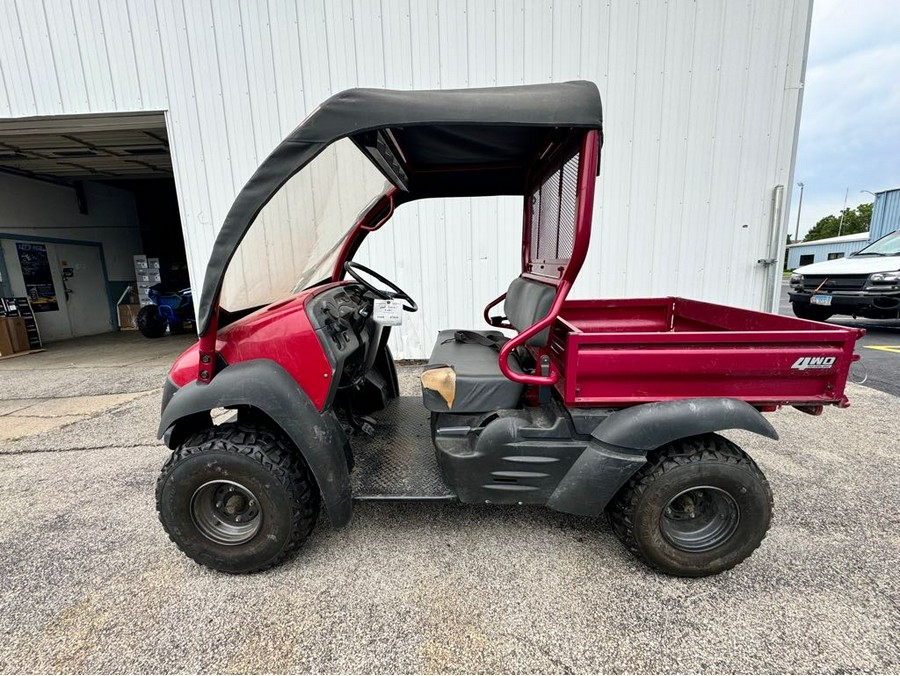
<point x="463" y="374"/>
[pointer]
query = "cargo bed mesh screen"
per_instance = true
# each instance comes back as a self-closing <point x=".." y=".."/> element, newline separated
<point x="553" y="217"/>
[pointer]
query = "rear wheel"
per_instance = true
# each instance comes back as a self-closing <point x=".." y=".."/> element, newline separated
<point x="237" y="498"/>
<point x="149" y="323"/>
<point x="699" y="507"/>
<point x="816" y="314"/>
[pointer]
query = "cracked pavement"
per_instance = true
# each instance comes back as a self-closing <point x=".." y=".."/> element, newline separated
<point x="91" y="584"/>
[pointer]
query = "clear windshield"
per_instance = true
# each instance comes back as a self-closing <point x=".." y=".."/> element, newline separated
<point x="889" y="245"/>
<point x="295" y="239"/>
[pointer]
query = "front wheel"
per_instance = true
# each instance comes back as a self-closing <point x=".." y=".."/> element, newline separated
<point x="816" y="314"/>
<point x="149" y="323"/>
<point x="699" y="507"/>
<point x="237" y="498"/>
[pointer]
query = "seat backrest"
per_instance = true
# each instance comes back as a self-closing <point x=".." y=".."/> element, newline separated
<point x="527" y="302"/>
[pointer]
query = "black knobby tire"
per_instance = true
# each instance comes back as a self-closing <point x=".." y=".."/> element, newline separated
<point x="266" y="466"/>
<point x="730" y="494"/>
<point x="149" y="323"/>
<point x="816" y="314"/>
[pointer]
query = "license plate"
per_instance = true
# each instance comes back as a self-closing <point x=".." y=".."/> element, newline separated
<point x="820" y="299"/>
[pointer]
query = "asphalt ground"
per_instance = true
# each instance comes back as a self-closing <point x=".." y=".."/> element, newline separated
<point x="91" y="584"/>
<point x="879" y="349"/>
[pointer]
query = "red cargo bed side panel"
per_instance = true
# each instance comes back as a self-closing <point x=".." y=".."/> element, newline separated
<point x="614" y="353"/>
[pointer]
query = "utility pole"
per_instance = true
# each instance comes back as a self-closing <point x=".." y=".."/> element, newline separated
<point x="843" y="211"/>
<point x="799" y="207"/>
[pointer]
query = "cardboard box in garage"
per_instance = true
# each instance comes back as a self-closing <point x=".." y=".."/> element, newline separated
<point x="19" y="308"/>
<point x="13" y="336"/>
<point x="6" y="347"/>
<point x="17" y="333"/>
<point x="127" y="315"/>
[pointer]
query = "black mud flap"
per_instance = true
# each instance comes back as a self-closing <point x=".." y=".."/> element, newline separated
<point x="594" y="479"/>
<point x="620" y="443"/>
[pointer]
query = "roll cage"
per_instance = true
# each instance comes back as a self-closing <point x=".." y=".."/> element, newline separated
<point x="538" y="141"/>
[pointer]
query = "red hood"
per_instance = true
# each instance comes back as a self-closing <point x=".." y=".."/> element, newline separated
<point x="280" y="332"/>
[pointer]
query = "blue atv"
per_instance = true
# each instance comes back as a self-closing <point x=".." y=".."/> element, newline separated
<point x="170" y="309"/>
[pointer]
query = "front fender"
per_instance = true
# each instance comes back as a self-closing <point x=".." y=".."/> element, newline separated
<point x="649" y="426"/>
<point x="266" y="386"/>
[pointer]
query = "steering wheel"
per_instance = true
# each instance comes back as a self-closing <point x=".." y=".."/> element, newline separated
<point x="353" y="269"/>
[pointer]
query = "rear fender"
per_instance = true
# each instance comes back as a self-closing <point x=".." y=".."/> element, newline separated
<point x="264" y="385"/>
<point x="620" y="443"/>
<point x="649" y="426"/>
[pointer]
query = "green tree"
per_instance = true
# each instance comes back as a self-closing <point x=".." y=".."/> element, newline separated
<point x="855" y="220"/>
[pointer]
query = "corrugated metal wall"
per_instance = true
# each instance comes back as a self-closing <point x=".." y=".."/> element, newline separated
<point x="885" y="214"/>
<point x="701" y="107"/>
<point x="820" y="251"/>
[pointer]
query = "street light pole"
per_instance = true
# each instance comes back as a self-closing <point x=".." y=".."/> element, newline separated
<point x="799" y="207"/>
<point x="843" y="211"/>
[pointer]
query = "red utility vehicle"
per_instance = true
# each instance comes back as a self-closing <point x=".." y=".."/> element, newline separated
<point x="589" y="406"/>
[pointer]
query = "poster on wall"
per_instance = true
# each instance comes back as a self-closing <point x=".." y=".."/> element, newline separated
<point x="37" y="276"/>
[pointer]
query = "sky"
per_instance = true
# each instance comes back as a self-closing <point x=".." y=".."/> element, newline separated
<point x="850" y="122"/>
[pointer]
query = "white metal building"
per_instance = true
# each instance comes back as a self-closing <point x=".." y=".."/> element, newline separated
<point x="702" y="102"/>
<point x="828" y="249"/>
<point x="885" y="213"/>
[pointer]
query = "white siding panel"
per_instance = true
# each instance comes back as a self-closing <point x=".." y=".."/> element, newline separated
<point x="264" y="95"/>
<point x="64" y="42"/>
<point x="126" y="82"/>
<point x="283" y="20"/>
<point x="203" y="66"/>
<point x="243" y="156"/>
<point x="93" y="55"/>
<point x="510" y="43"/>
<point x="148" y="54"/>
<point x="185" y="139"/>
<point x="314" y="54"/>
<point x="14" y="64"/>
<point x="39" y="56"/>
<point x="701" y="101"/>
<point x="673" y="142"/>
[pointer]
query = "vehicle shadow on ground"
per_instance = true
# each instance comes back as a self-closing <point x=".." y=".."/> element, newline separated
<point x="482" y="525"/>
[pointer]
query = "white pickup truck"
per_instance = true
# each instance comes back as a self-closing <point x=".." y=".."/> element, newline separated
<point x="865" y="284"/>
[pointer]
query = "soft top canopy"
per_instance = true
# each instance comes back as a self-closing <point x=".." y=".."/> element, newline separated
<point x="437" y="143"/>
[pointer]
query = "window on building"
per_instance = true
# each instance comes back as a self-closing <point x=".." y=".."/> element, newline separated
<point x="833" y="256"/>
<point x="807" y="259"/>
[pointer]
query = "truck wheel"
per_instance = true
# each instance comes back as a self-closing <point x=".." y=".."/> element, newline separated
<point x="149" y="323"/>
<point x="816" y="314"/>
<point x="237" y="498"/>
<point x="699" y="507"/>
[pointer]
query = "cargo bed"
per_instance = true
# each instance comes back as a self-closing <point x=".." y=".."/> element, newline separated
<point x="623" y="352"/>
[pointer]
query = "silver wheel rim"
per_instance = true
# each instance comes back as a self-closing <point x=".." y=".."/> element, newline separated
<point x="226" y="512"/>
<point x="699" y="519"/>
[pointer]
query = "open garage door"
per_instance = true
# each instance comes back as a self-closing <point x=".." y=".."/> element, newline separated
<point x="84" y="195"/>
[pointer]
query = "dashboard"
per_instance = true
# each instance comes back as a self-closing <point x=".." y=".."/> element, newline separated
<point x="340" y="317"/>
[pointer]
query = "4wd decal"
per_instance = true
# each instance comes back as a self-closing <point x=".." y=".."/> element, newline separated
<point x="804" y="363"/>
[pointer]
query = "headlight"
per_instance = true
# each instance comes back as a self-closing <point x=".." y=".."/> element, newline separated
<point x="796" y="279"/>
<point x="885" y="277"/>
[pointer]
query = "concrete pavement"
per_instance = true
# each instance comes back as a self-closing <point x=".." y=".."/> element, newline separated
<point x="90" y="582"/>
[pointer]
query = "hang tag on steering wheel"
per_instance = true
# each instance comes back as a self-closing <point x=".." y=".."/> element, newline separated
<point x="388" y="312"/>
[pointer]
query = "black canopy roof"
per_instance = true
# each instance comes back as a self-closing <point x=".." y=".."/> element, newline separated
<point x="453" y="142"/>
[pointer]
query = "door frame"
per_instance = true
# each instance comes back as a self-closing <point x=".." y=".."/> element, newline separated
<point x="110" y="303"/>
